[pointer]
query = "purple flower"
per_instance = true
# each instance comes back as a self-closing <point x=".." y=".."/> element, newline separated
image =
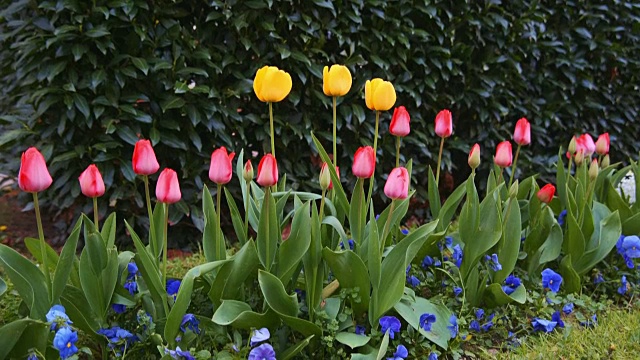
<point x="457" y="255"/>
<point x="262" y="352"/>
<point x="173" y="286"/>
<point x="479" y="314"/>
<point x="189" y="321"/>
<point x="390" y="323"/>
<point x="494" y="264"/>
<point x="567" y="309"/>
<point x="405" y="231"/>
<point x="433" y="356"/>
<point x="561" y="217"/>
<point x="457" y="291"/>
<point x="179" y="354"/>
<point x="401" y="353"/>
<point x="551" y="280"/>
<point x="413" y="281"/>
<point x="65" y="342"/>
<point x="132" y="270"/>
<point x="558" y="319"/>
<point x="598" y="279"/>
<point x="453" y="326"/>
<point x="260" y="335"/>
<point x="427" y="261"/>
<point x="119" y="308"/>
<point x="511" y="284"/>
<point x="474" y="325"/>
<point x="624" y="286"/>
<point x="360" y="330"/>
<point x="131" y="286"/>
<point x="543" y="325"/>
<point x="426" y="320"/>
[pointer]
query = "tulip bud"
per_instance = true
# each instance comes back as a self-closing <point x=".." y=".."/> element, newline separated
<point x="546" y="193"/>
<point x="336" y="81"/>
<point x="579" y="157"/>
<point x="522" y="134"/>
<point x="247" y="172"/>
<point x="220" y="170"/>
<point x="364" y="162"/>
<point x="267" y="171"/>
<point x="379" y="95"/>
<point x="587" y="143"/>
<point x="144" y="159"/>
<point x="513" y="190"/>
<point x="605" y="161"/>
<point x="593" y="169"/>
<point x="397" y="186"/>
<point x="474" y="156"/>
<point x="33" y="175"/>
<point x="572" y="145"/>
<point x="91" y="183"/>
<point x="400" y="122"/>
<point x="325" y="177"/>
<point x="504" y="154"/>
<point x="444" y="124"/>
<point x="168" y="187"/>
<point x="602" y="145"/>
<point x="271" y="84"/>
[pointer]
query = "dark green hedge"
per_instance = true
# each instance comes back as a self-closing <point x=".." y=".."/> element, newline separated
<point x="82" y="80"/>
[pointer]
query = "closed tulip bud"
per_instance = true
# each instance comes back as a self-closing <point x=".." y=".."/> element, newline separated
<point x="325" y="177"/>
<point x="602" y="145"/>
<point x="336" y="81"/>
<point x="546" y="193"/>
<point x="220" y="170"/>
<point x="444" y="124"/>
<point x="605" y="161"/>
<point x="364" y="162"/>
<point x="91" y="183"/>
<point x="513" y="190"/>
<point x="400" y="122"/>
<point x="144" y="159"/>
<point x="587" y="143"/>
<point x="593" y="169"/>
<point x="168" y="187"/>
<point x="379" y="95"/>
<point x="572" y="145"/>
<point x="271" y="84"/>
<point x="397" y="186"/>
<point x="267" y="171"/>
<point x="474" y="156"/>
<point x="247" y="172"/>
<point x="579" y="157"/>
<point x="33" y="175"/>
<point x="522" y="134"/>
<point x="504" y="154"/>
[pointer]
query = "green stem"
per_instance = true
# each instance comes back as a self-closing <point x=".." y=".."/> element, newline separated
<point x="165" y="245"/>
<point x="375" y="155"/>
<point x="273" y="146"/>
<point x="335" y="148"/>
<point x="43" y="247"/>
<point x="569" y="165"/>
<point x="246" y="212"/>
<point x="387" y="225"/>
<point x="513" y="167"/>
<point x="152" y="229"/>
<point x="95" y="214"/>
<point x="439" y="161"/>
<point x="324" y="192"/>
<point x="218" y="211"/>
<point x="500" y="176"/>
<point x="398" y="140"/>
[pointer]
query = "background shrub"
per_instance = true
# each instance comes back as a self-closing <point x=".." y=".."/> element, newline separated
<point x="84" y="80"/>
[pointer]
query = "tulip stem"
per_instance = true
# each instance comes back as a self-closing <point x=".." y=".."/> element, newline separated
<point x="324" y="192"/>
<point x="513" y="167"/>
<point x="335" y="147"/>
<point x="246" y="212"/>
<point x="218" y="211"/>
<point x="165" y="245"/>
<point x="273" y="146"/>
<point x="398" y="140"/>
<point x="387" y="225"/>
<point x="439" y="161"/>
<point x="149" y="209"/>
<point x="43" y="247"/>
<point x="375" y="157"/>
<point x="569" y="165"/>
<point x="95" y="213"/>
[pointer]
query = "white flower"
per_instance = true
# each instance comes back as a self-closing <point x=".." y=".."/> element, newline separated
<point x="627" y="187"/>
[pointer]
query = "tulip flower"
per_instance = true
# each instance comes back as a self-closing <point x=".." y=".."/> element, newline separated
<point x="364" y="162"/>
<point x="144" y="159"/>
<point x="168" y="187"/>
<point x="474" y="157"/>
<point x="271" y="85"/>
<point x="605" y="161"/>
<point x="397" y="186"/>
<point x="91" y="183"/>
<point x="504" y="154"/>
<point x="247" y="172"/>
<point x="336" y="81"/>
<point x="33" y="175"/>
<point x="602" y="145"/>
<point x="587" y="144"/>
<point x="220" y="170"/>
<point x="593" y="170"/>
<point x="267" y="171"/>
<point x="444" y="128"/>
<point x="573" y="145"/>
<point x="399" y="128"/>
<point x="325" y="177"/>
<point x="546" y="193"/>
<point x="379" y="95"/>
<point x="522" y="134"/>
<point x="579" y="156"/>
<point x="247" y="175"/>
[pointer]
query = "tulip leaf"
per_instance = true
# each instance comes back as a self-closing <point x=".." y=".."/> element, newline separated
<point x="268" y="235"/>
<point x="561" y="181"/>
<point x="293" y="249"/>
<point x="343" y="202"/>
<point x="65" y="264"/>
<point x="358" y="213"/>
<point x="337" y="225"/>
<point x="156" y="233"/>
<point x="384" y="345"/>
<point x="352" y="340"/>
<point x="240" y="315"/>
<point x="292" y="351"/>
<point x="608" y="235"/>
<point x="495" y="296"/>
<point x="434" y="194"/>
<point x="313" y="268"/>
<point x="213" y="244"/>
<point x="509" y="245"/>
<point x="411" y="310"/>
<point x="28" y="281"/>
<point x="109" y="230"/>
<point x="18" y="338"/>
<point x="351" y="272"/>
<point x="450" y="206"/>
<point x="79" y="310"/>
<point x="571" y="279"/>
<point x="575" y="242"/>
<point x="374" y="259"/>
<point x="33" y="245"/>
<point x="236" y="219"/>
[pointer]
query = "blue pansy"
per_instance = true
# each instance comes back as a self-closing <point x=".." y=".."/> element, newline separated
<point x="495" y="264"/>
<point x="173" y="286"/>
<point x="631" y="246"/>
<point x="598" y="279"/>
<point x="401" y="353"/>
<point x="457" y="290"/>
<point x="511" y="284"/>
<point x="457" y="255"/>
<point x="118" y="337"/>
<point x="405" y="231"/>
<point x="260" y="335"/>
<point x="262" y="352"/>
<point x="65" y="342"/>
<point x="437" y="262"/>
<point x="32" y="356"/>
<point x="558" y="319"/>
<point x="407" y="269"/>
<point x="413" y="281"/>
<point x="474" y="325"/>
<point x="427" y="261"/>
<point x="487" y="326"/>
<point x="433" y="356"/>
<point x="179" y="354"/>
<point x="360" y="330"/>
<point x="390" y="323"/>
<point x="543" y="325"/>
<point x="189" y="321"/>
<point x="561" y="217"/>
<point x="568" y="308"/>
<point x="551" y="280"/>
<point x="119" y="308"/>
<point x="131" y="287"/>
<point x="479" y="314"/>
<point x="57" y="317"/>
<point x="619" y="245"/>
<point x="351" y="244"/>
<point x="132" y="270"/>
<point x="453" y="326"/>
<point x="426" y="320"/>
<point x="624" y="286"/>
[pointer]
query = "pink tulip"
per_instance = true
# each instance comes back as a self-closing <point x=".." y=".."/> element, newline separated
<point x="522" y="134"/>
<point x="168" y="187"/>
<point x="91" y="183"/>
<point x="400" y="122"/>
<point x="33" y="175"/>
<point x="267" y="171"/>
<point x="586" y="142"/>
<point x="364" y="162"/>
<point x="144" y="159"/>
<point x="397" y="186"/>
<point x="220" y="170"/>
<point x="504" y="154"/>
<point x="474" y="156"/>
<point x="602" y="145"/>
<point x="444" y="124"/>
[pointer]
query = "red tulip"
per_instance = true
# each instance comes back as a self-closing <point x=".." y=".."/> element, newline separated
<point x="602" y="145"/>
<point x="546" y="193"/>
<point x="364" y="162"/>
<point x="522" y="134"/>
<point x="91" y="182"/>
<point x="444" y="124"/>
<point x="397" y="186"/>
<point x="267" y="171"/>
<point x="168" y="187"/>
<point x="220" y="170"/>
<point x="585" y="141"/>
<point x="400" y="122"/>
<point x="474" y="156"/>
<point x="504" y="154"/>
<point x="33" y="175"/>
<point x="144" y="158"/>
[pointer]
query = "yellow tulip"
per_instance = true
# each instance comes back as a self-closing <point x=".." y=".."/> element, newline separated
<point x="379" y="94"/>
<point x="271" y="84"/>
<point x="336" y="81"/>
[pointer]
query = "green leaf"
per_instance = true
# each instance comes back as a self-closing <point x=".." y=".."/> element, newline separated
<point x="411" y="311"/>
<point x="3" y="287"/>
<point x="495" y="296"/>
<point x="352" y="340"/>
<point x="65" y="263"/>
<point x="570" y="277"/>
<point x="383" y="346"/>
<point x="79" y="310"/>
<point x="172" y="102"/>
<point x="18" y="337"/>
<point x="293" y="249"/>
<point x="240" y="315"/>
<point x="608" y="235"/>
<point x="268" y="235"/>
<point x="82" y="105"/>
<point x="351" y="272"/>
<point x="141" y="64"/>
<point x="509" y="245"/>
<point x="33" y="245"/>
<point x="434" y="195"/>
<point x="295" y="349"/>
<point x="213" y="243"/>
<point x="236" y="218"/>
<point x="358" y="213"/>
<point x="109" y="230"/>
<point x="313" y="266"/>
<point x="450" y="206"/>
<point x="28" y="281"/>
<point x="228" y="282"/>
<point x="343" y="202"/>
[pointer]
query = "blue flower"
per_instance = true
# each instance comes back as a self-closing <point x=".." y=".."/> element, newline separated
<point x="413" y="281"/>
<point x="567" y="309"/>
<point x="558" y="319"/>
<point x="189" y="321"/>
<point x="427" y="261"/>
<point x="474" y="325"/>
<point x="619" y="245"/>
<point x="551" y="280"/>
<point x="360" y="330"/>
<point x="119" y="308"/>
<point x="408" y="269"/>
<point x="624" y="286"/>
<point x="590" y="323"/>
<point x="543" y="325"/>
<point x="173" y="286"/>
<point x="65" y="342"/>
<point x="495" y="264"/>
<point x="448" y="241"/>
<point x="511" y="284"/>
<point x="457" y="255"/>
<point x="401" y="353"/>
<point x="437" y="262"/>
<point x="131" y="286"/>
<point x="179" y="354"/>
<point x="487" y="326"/>
<point x="457" y="291"/>
<point x="453" y="326"/>
<point x="351" y="243"/>
<point x="32" y="356"/>
<point x="479" y="314"/>
<point x="118" y="336"/>
<point x="561" y="217"/>
<point x="598" y="279"/>
<point x="405" y="231"/>
<point x="260" y="335"/>
<point x="262" y="352"/>
<point x="631" y="246"/>
<point x="132" y="270"/>
<point x="57" y="317"/>
<point x="390" y="323"/>
<point x="433" y="356"/>
<point x="426" y="320"/>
